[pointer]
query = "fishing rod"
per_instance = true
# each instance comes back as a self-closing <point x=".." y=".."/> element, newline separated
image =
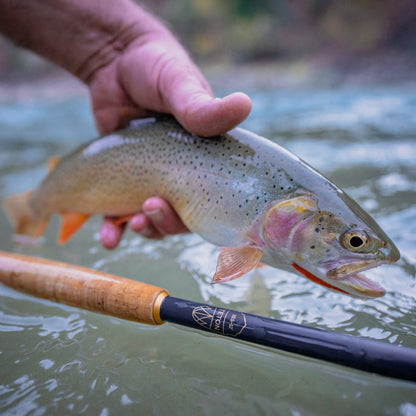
<point x="141" y="302"/>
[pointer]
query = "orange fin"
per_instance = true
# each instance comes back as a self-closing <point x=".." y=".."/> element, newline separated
<point x="234" y="262"/>
<point x="121" y="220"/>
<point x="316" y="279"/>
<point x="20" y="214"/>
<point x="261" y="265"/>
<point x="53" y="163"/>
<point x="71" y="223"/>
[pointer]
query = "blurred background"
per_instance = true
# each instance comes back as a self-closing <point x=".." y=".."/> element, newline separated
<point x="288" y="42"/>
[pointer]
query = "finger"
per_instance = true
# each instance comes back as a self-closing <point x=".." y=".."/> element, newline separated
<point x="163" y="217"/>
<point x="110" y="234"/>
<point x="141" y="224"/>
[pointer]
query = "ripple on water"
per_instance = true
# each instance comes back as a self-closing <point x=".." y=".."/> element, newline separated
<point x="58" y="360"/>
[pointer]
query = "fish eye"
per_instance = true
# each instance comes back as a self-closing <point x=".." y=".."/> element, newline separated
<point x="355" y="240"/>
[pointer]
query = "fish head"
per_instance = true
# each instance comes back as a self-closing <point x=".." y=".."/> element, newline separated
<point x="325" y="247"/>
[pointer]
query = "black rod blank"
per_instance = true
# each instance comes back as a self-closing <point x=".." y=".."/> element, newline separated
<point x="347" y="350"/>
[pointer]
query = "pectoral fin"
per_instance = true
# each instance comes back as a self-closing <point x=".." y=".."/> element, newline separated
<point x="71" y="223"/>
<point x="234" y="262"/>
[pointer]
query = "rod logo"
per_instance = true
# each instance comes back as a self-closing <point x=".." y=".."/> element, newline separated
<point x="223" y="321"/>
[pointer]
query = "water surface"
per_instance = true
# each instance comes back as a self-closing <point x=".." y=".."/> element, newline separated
<point x="56" y="359"/>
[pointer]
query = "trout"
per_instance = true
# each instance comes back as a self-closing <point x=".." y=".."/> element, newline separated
<point x="239" y="191"/>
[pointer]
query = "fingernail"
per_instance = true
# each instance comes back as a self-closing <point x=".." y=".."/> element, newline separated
<point x="157" y="216"/>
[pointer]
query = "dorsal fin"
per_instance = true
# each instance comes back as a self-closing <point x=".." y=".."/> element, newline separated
<point x="53" y="163"/>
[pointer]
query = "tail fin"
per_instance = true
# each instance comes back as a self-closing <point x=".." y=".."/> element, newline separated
<point x="18" y="210"/>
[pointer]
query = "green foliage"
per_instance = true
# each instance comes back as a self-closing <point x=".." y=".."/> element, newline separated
<point x="246" y="30"/>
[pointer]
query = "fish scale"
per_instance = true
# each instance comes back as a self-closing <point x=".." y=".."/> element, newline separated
<point x="237" y="190"/>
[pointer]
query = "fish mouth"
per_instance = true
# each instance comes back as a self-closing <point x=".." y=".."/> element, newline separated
<point x="361" y="286"/>
<point x="349" y="277"/>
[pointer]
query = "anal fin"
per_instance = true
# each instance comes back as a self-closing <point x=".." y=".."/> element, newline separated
<point x="122" y="220"/>
<point x="234" y="262"/>
<point x="71" y="223"/>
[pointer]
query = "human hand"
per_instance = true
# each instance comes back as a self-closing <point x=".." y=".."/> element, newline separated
<point x="155" y="73"/>
<point x="131" y="64"/>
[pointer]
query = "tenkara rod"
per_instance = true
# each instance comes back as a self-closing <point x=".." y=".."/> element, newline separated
<point x="129" y="299"/>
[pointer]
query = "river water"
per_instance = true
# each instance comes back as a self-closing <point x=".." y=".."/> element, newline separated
<point x="56" y="359"/>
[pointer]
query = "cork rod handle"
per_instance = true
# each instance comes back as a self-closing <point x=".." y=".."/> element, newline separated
<point x="82" y="287"/>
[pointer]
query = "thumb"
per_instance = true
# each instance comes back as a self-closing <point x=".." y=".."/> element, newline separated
<point x="195" y="108"/>
<point x="166" y="80"/>
<point x="206" y="116"/>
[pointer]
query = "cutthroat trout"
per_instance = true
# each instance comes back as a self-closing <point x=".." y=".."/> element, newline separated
<point x="238" y="191"/>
